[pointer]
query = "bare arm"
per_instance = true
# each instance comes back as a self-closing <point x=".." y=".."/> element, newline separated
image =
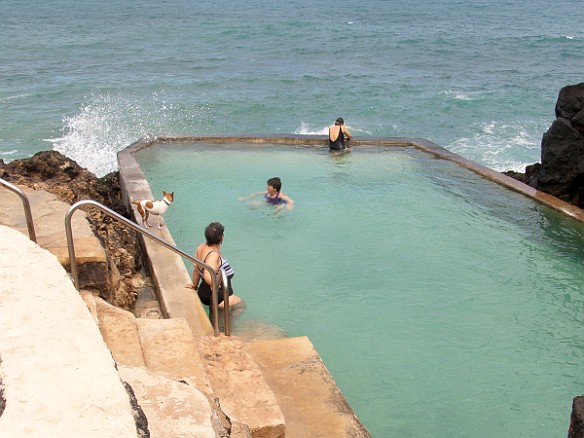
<point x="253" y="195"/>
<point x="346" y="132"/>
<point x="289" y="201"/>
<point x="196" y="277"/>
<point x="214" y="261"/>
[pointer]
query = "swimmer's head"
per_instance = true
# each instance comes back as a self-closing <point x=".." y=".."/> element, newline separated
<point x="276" y="183"/>
<point x="214" y="233"/>
<point x="340" y="121"/>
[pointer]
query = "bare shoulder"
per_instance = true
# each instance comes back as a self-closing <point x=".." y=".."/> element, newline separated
<point x="199" y="250"/>
<point x="213" y="259"/>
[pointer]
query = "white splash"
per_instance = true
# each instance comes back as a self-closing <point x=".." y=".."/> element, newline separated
<point x="106" y="125"/>
<point x="495" y="145"/>
<point x="304" y="129"/>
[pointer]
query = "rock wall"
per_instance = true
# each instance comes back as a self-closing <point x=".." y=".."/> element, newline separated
<point x="57" y="174"/>
<point x="562" y="149"/>
<point x="561" y="171"/>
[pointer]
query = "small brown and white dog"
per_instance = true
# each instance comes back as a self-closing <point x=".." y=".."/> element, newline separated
<point x="156" y="208"/>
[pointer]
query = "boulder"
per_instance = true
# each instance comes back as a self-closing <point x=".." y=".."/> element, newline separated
<point x="577" y="419"/>
<point x="570" y="101"/>
<point x="561" y="171"/>
<point x="562" y="162"/>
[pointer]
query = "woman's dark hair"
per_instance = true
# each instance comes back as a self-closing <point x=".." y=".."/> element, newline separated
<point x="276" y="183"/>
<point x="340" y="121"/>
<point x="214" y="233"/>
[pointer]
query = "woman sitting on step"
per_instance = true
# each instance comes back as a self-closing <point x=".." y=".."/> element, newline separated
<point x="210" y="253"/>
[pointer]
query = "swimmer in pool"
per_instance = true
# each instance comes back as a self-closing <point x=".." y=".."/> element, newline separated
<point x="338" y="134"/>
<point x="273" y="195"/>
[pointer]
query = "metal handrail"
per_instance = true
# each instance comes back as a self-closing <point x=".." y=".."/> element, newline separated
<point x="215" y="276"/>
<point x="225" y="282"/>
<point x="26" y="205"/>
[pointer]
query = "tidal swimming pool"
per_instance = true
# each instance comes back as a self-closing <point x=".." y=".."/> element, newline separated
<point x="443" y="304"/>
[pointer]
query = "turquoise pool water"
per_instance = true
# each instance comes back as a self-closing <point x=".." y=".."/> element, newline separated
<point x="443" y="304"/>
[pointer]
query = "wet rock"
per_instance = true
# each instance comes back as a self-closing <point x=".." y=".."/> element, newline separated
<point x="62" y="176"/>
<point x="562" y="162"/>
<point x="577" y="419"/>
<point x="561" y="171"/>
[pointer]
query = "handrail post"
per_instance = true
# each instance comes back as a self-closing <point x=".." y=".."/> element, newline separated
<point x="71" y="246"/>
<point x="26" y="206"/>
<point x="215" y="302"/>
<point x="225" y="281"/>
<point x="135" y="227"/>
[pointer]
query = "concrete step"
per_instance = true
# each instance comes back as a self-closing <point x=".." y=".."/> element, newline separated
<point x="239" y="384"/>
<point x="174" y="409"/>
<point x="311" y="402"/>
<point x="169" y="349"/>
<point x="48" y="214"/>
<point x="157" y="358"/>
<point x="270" y="388"/>
<point x="120" y="333"/>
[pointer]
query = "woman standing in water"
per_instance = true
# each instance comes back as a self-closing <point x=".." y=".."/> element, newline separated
<point x="337" y="135"/>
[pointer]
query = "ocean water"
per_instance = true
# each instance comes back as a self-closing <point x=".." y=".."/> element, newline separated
<point x="479" y="78"/>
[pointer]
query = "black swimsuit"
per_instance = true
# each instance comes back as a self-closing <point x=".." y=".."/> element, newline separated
<point x="204" y="290"/>
<point x="339" y="143"/>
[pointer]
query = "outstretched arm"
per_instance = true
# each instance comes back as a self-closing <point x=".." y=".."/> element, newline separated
<point x="253" y="195"/>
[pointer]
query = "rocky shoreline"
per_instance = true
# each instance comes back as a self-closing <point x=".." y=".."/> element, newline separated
<point x="55" y="173"/>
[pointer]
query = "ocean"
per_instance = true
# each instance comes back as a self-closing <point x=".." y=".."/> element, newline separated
<point x="479" y="78"/>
